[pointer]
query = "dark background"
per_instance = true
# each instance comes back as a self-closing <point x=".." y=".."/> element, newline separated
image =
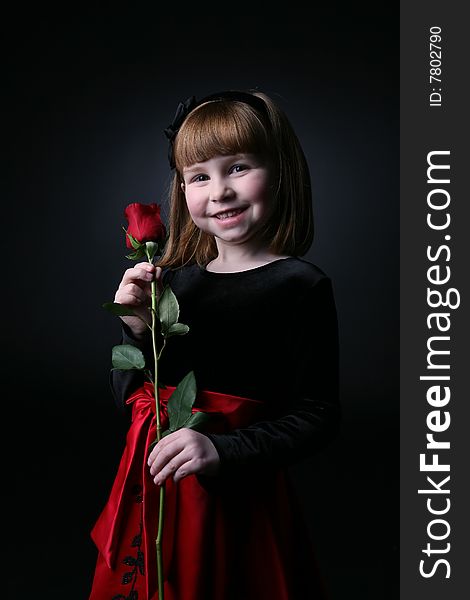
<point x="90" y="92"/>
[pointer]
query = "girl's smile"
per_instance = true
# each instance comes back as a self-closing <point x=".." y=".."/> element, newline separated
<point x="230" y="217"/>
<point x="229" y="197"/>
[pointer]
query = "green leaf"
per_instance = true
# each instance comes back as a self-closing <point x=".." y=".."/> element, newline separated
<point x="177" y="329"/>
<point x="126" y="357"/>
<point x="134" y="243"/>
<point x="119" y="309"/>
<point x="140" y="253"/>
<point x="181" y="401"/>
<point x="168" y="309"/>
<point x="197" y="420"/>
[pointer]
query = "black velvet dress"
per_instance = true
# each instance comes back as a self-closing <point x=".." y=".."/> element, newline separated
<point x="268" y="333"/>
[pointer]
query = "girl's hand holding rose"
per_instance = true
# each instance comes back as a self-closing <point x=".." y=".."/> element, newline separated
<point x="134" y="291"/>
<point x="182" y="453"/>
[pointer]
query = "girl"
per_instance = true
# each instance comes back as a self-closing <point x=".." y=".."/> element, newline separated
<point x="263" y="344"/>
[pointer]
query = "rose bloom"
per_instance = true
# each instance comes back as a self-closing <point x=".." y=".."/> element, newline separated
<point x="145" y="223"/>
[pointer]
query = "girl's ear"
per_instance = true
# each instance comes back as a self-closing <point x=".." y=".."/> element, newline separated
<point x="182" y="187"/>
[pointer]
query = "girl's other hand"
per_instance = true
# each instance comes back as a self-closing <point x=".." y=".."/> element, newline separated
<point x="182" y="453"/>
<point x="135" y="292"/>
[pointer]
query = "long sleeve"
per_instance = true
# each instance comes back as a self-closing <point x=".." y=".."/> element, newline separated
<point x="312" y="418"/>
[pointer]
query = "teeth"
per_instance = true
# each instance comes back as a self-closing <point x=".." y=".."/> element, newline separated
<point x="228" y="214"/>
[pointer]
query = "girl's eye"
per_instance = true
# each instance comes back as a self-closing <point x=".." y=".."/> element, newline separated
<point x="238" y="168"/>
<point x="198" y="178"/>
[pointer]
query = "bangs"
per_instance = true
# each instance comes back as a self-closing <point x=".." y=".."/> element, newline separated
<point x="219" y="128"/>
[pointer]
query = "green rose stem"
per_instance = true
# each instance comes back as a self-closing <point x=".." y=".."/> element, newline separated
<point x="159" y="432"/>
<point x="165" y="308"/>
<point x="128" y="357"/>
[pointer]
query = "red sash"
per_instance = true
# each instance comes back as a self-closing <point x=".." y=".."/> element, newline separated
<point x="237" y="539"/>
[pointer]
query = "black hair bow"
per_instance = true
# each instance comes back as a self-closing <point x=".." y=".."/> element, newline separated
<point x="183" y="110"/>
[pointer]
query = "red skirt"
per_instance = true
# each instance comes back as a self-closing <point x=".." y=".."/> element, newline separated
<point x="239" y="538"/>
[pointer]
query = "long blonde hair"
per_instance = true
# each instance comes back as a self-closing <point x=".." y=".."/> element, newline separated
<point x="227" y="126"/>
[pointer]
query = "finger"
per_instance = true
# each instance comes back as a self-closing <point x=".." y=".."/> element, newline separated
<point x="145" y="265"/>
<point x="161" y="470"/>
<point x="131" y="294"/>
<point x="163" y="453"/>
<point x="166" y="441"/>
<point x="156" y="449"/>
<point x="143" y="272"/>
<point x="178" y="468"/>
<point x="188" y="468"/>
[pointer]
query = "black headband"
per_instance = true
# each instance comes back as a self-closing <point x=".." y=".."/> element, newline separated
<point x="184" y="108"/>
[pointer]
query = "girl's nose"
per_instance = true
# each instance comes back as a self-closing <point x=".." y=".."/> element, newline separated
<point x="219" y="190"/>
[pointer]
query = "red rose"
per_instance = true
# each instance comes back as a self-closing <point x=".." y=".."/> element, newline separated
<point x="145" y="224"/>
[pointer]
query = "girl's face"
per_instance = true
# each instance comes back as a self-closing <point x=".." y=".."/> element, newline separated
<point x="229" y="197"/>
